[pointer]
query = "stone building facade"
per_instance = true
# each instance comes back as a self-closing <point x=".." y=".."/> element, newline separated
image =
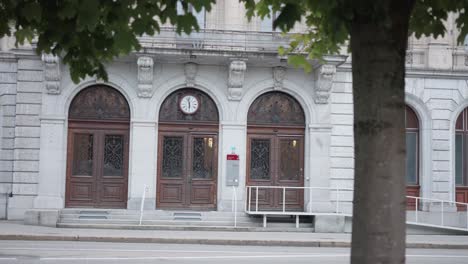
<point x="231" y="66"/>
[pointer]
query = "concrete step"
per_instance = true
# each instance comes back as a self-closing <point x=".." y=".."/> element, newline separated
<point x="242" y="217"/>
<point x="181" y="227"/>
<point x="187" y="216"/>
<point x="158" y="222"/>
<point x="113" y="212"/>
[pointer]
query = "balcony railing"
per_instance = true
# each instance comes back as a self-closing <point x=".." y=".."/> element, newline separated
<point x="218" y="40"/>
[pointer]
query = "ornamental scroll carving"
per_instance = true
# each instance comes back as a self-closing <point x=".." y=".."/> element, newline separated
<point x="190" y="70"/>
<point x="278" y="76"/>
<point x="51" y="73"/>
<point x="237" y="70"/>
<point x="145" y="76"/>
<point x="323" y="82"/>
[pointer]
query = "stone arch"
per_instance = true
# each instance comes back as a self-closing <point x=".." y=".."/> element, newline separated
<point x="275" y="108"/>
<point x="454" y="190"/>
<point x="170" y="112"/>
<point x="202" y="84"/>
<point x="115" y="81"/>
<point x="425" y="131"/>
<point x="99" y="102"/>
<point x="255" y="90"/>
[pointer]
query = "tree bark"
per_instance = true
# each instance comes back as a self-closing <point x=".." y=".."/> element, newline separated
<point x="378" y="63"/>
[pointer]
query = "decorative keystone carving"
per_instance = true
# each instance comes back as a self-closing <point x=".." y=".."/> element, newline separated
<point x="190" y="70"/>
<point x="51" y="73"/>
<point x="278" y="76"/>
<point x="323" y="82"/>
<point x="237" y="70"/>
<point x="145" y="76"/>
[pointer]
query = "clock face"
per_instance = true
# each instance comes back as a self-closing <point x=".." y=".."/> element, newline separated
<point x="189" y="104"/>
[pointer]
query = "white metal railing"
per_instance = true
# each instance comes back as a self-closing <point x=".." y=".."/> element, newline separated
<point x="142" y="204"/>
<point x="254" y="207"/>
<point x="234" y="204"/>
<point x="453" y="207"/>
<point x="457" y="220"/>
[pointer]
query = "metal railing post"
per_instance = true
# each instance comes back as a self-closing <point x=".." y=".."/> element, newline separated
<point x="466" y="216"/>
<point x="337" y="200"/>
<point x="442" y="214"/>
<point x="234" y="204"/>
<point x="142" y="205"/>
<point x="246" y="200"/>
<point x="284" y="199"/>
<point x="250" y="196"/>
<point x="416" y="213"/>
<point x="310" y="200"/>
<point x="256" y="200"/>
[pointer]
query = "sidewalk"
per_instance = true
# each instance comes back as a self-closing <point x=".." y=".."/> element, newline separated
<point x="12" y="230"/>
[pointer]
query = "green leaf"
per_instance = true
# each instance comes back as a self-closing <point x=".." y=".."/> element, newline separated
<point x="68" y="9"/>
<point x="32" y="11"/>
<point x="88" y="15"/>
<point x="123" y="41"/>
<point x="299" y="61"/>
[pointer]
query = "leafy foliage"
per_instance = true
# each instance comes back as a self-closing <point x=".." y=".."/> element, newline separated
<point x="329" y="22"/>
<point x="89" y="33"/>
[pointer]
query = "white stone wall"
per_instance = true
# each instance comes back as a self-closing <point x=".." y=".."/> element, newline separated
<point x="342" y="141"/>
<point x="438" y="99"/>
<point x="27" y="135"/>
<point x="7" y="126"/>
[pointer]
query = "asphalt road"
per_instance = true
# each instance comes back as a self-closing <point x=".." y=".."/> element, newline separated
<point x="95" y="252"/>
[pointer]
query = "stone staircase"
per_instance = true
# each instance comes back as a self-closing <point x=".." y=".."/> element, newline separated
<point x="176" y="220"/>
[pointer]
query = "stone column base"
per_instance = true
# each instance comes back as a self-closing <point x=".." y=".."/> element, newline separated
<point x="135" y="204"/>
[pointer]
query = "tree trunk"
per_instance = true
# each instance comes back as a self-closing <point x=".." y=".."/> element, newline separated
<point x="378" y="65"/>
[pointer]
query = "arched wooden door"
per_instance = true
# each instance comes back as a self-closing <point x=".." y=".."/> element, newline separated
<point x="461" y="159"/>
<point x="412" y="157"/>
<point x="97" y="155"/>
<point x="275" y="150"/>
<point x="187" y="151"/>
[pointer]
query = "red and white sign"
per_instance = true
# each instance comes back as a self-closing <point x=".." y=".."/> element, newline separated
<point x="232" y="157"/>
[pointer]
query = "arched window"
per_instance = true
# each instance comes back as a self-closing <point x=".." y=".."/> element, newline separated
<point x="97" y="156"/>
<point x="412" y="157"/>
<point x="461" y="151"/>
<point x="412" y="147"/>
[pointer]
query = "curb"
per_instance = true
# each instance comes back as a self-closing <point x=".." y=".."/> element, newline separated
<point x="203" y="241"/>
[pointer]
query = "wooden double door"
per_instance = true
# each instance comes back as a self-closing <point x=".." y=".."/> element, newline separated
<point x="97" y="165"/>
<point x="187" y="169"/>
<point x="275" y="159"/>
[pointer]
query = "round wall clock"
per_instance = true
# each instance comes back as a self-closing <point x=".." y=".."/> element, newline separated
<point x="189" y="104"/>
